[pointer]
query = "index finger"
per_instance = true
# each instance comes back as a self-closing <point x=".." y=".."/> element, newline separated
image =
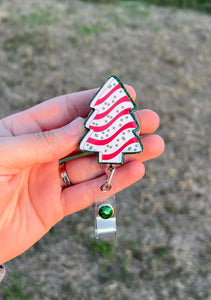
<point x="58" y="111"/>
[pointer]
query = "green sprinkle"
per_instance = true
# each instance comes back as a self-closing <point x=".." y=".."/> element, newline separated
<point x="96" y="134"/>
<point x="109" y="86"/>
<point x="123" y="138"/>
<point x="90" y="147"/>
<point x="129" y="148"/>
<point x="121" y="120"/>
<point x="116" y="145"/>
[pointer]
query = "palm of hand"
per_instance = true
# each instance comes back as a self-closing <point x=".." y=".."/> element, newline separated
<point x="30" y="204"/>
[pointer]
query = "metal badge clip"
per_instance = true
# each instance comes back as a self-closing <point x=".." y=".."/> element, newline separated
<point x="105" y="223"/>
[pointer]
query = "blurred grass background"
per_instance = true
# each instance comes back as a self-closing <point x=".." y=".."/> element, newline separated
<point x="201" y="5"/>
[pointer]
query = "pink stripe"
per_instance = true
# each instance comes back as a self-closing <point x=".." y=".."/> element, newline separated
<point x="112" y="155"/>
<point x="108" y="140"/>
<point x="104" y="127"/>
<point x="121" y="100"/>
<point x="101" y="100"/>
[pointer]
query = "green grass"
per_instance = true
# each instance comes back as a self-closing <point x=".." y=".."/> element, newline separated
<point x="102" y="248"/>
<point x="202" y="5"/>
<point x="39" y="18"/>
<point x="44" y="16"/>
<point x="113" y="261"/>
<point x="15" y="287"/>
<point x="88" y="30"/>
<point x="119" y="270"/>
<point x="39" y="42"/>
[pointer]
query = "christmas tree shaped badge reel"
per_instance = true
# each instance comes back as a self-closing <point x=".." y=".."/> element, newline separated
<point x="111" y="133"/>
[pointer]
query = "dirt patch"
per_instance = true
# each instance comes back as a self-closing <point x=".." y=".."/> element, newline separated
<point x="163" y="246"/>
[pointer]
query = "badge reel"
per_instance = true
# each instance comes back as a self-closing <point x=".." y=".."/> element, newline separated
<point x="111" y="134"/>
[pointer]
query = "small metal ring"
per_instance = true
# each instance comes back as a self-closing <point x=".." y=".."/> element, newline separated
<point x="65" y="180"/>
<point x="106" y="187"/>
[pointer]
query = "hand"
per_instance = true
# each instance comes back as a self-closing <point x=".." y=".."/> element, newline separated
<point x="31" y="144"/>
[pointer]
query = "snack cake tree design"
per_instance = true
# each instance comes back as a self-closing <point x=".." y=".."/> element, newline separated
<point x="111" y="124"/>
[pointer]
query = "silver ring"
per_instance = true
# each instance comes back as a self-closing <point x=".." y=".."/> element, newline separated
<point x="65" y="180"/>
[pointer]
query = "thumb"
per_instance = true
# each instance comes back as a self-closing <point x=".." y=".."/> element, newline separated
<point x="25" y="150"/>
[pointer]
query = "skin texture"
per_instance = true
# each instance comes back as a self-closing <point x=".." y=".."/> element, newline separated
<point x="31" y="143"/>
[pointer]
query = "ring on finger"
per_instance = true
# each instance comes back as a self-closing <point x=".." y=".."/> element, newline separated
<point x="65" y="180"/>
